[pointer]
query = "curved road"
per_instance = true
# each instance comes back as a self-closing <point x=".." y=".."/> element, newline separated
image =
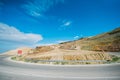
<point x="19" y="71"/>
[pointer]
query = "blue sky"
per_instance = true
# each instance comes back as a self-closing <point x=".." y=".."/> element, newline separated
<point x="39" y="22"/>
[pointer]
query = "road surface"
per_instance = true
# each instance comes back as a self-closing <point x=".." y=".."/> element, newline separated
<point x="19" y="71"/>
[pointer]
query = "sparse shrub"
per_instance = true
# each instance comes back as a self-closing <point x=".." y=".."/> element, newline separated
<point x="13" y="58"/>
<point x="56" y="63"/>
<point x="87" y="62"/>
<point x="115" y="59"/>
<point x="63" y="63"/>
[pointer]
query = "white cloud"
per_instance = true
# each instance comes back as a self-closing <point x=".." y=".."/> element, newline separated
<point x="45" y="44"/>
<point x="50" y="43"/>
<point x="36" y="14"/>
<point x="12" y="37"/>
<point x="76" y="37"/>
<point x="10" y="33"/>
<point x="61" y="41"/>
<point x="36" y="8"/>
<point x="67" y="23"/>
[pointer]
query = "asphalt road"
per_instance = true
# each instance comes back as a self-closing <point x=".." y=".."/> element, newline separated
<point x="19" y="71"/>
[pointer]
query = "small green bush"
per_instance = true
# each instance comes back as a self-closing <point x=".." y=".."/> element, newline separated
<point x="56" y="63"/>
<point x="115" y="59"/>
<point x="13" y="58"/>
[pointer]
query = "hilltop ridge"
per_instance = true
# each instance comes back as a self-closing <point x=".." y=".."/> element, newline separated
<point x="109" y="41"/>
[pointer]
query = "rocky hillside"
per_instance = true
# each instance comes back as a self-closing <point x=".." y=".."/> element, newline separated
<point x="92" y="48"/>
<point x="109" y="41"/>
<point x="61" y="54"/>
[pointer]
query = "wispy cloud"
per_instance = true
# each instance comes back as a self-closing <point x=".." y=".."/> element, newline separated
<point x="11" y="36"/>
<point x="65" y="24"/>
<point x="68" y="23"/>
<point x="43" y="44"/>
<point x="60" y="41"/>
<point x="76" y="37"/>
<point x="37" y="8"/>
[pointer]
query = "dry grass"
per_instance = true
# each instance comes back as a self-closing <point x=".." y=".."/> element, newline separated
<point x="60" y="54"/>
